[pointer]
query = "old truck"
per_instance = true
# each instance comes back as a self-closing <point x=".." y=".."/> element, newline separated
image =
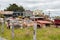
<point x="41" y="22"/>
<point x="57" y="22"/>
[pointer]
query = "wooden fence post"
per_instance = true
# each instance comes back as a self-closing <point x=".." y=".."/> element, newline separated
<point x="2" y="28"/>
<point x="34" y="31"/>
<point x="12" y="29"/>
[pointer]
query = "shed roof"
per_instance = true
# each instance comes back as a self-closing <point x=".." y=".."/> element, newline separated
<point x="36" y="17"/>
<point x="6" y="12"/>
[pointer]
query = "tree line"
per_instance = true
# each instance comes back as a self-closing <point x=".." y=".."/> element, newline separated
<point x="14" y="7"/>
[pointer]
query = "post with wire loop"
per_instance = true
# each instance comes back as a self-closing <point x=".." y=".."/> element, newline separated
<point x="34" y="31"/>
<point x="2" y="28"/>
<point x="12" y="29"/>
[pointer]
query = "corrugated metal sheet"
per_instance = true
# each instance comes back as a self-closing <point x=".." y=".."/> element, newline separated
<point x="6" y="12"/>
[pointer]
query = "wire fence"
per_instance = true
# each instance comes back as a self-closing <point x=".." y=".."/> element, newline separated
<point x="15" y="34"/>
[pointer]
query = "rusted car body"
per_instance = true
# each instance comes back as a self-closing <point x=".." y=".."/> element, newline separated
<point x="57" y="22"/>
<point x="41" y="22"/>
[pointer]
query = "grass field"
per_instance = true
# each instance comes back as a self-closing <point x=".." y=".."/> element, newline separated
<point x="48" y="33"/>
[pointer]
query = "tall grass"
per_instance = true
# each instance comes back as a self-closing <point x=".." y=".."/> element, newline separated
<point x="48" y="33"/>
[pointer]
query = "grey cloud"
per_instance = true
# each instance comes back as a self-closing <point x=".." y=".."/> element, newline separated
<point x="34" y="4"/>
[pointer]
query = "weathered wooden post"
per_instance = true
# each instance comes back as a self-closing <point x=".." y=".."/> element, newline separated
<point x="12" y="29"/>
<point x="21" y="24"/>
<point x="35" y="27"/>
<point x="34" y="31"/>
<point x="2" y="28"/>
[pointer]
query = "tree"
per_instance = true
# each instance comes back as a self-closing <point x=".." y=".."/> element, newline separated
<point x="57" y="17"/>
<point x="14" y="7"/>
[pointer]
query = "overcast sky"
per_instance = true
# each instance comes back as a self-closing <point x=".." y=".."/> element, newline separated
<point x="52" y="5"/>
